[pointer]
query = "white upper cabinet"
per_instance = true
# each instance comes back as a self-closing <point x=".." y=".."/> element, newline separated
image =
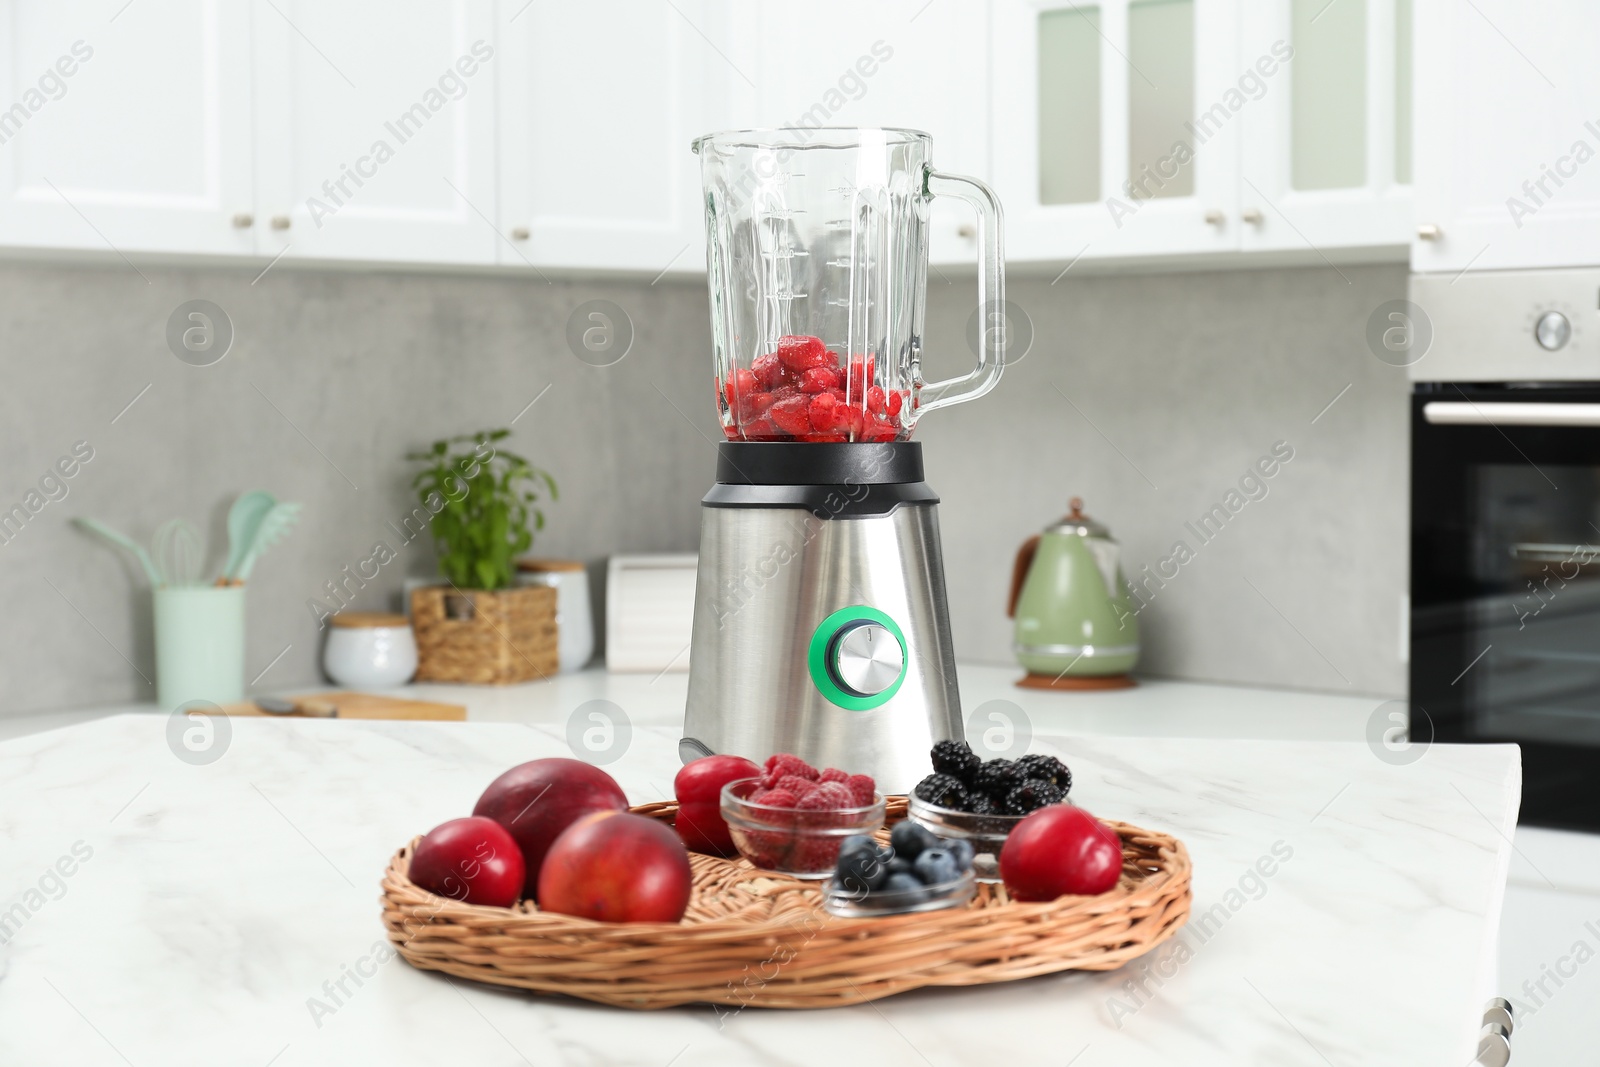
<point x="1507" y="133"/>
<point x="1326" y="148"/>
<point x="375" y="130"/>
<point x="897" y="63"/>
<point x="1125" y="129"/>
<point x="600" y="101"/>
<point x="1112" y="133"/>
<point x="127" y="127"/>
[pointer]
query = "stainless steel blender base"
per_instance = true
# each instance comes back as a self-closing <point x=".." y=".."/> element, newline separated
<point x="768" y="578"/>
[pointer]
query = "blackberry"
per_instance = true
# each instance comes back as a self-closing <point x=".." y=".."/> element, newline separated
<point x="1048" y="768"/>
<point x="1032" y="794"/>
<point x="995" y="778"/>
<point x="943" y="790"/>
<point x="982" y="804"/>
<point x="955" y="758"/>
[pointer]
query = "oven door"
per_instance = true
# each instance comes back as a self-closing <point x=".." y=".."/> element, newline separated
<point x="1505" y="582"/>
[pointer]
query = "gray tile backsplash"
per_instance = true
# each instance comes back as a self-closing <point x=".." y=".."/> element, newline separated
<point x="1147" y="395"/>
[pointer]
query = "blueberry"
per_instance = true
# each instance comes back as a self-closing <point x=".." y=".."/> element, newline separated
<point x="937" y="865"/>
<point x="961" y="849"/>
<point x="909" y="838"/>
<point x="858" y="841"/>
<point x="900" y="865"/>
<point x="862" y="870"/>
<point x="906" y="884"/>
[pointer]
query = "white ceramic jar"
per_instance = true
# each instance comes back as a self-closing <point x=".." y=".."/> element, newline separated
<point x="574" y="619"/>
<point x="370" y="650"/>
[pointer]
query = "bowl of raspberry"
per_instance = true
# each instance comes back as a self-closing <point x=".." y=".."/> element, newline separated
<point x="970" y="799"/>
<point x="793" y="819"/>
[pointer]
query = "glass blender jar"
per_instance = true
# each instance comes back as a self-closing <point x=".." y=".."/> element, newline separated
<point x="820" y="620"/>
<point x="817" y="253"/>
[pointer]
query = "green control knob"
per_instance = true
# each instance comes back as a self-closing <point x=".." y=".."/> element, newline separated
<point x="857" y="658"/>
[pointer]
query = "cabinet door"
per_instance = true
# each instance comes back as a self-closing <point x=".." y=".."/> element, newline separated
<point x="127" y="128"/>
<point x="1326" y="152"/>
<point x="897" y="63"/>
<point x="1508" y="129"/>
<point x="376" y="129"/>
<point x="1113" y="137"/>
<point x="601" y="100"/>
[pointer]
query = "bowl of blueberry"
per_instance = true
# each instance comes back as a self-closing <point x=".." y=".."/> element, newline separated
<point x="978" y="801"/>
<point x="916" y="871"/>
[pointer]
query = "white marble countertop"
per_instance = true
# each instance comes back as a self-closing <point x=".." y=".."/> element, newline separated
<point x="207" y="904"/>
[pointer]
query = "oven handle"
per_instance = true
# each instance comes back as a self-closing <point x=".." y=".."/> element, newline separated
<point x="1554" y="553"/>
<point x="1466" y="413"/>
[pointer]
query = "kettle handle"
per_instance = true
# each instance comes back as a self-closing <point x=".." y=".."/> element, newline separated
<point x="1019" y="573"/>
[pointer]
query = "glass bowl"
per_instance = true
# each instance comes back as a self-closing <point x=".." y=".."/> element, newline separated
<point x="801" y="844"/>
<point x="986" y="833"/>
<point x="851" y="904"/>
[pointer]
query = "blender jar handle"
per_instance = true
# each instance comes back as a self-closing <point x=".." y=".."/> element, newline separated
<point x="991" y="295"/>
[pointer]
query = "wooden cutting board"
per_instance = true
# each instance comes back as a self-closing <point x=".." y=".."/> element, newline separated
<point x="366" y="706"/>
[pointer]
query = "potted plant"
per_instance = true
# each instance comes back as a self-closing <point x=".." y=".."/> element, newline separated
<point x="485" y="508"/>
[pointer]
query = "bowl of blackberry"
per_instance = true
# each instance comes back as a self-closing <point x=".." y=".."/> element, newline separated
<point x="916" y="870"/>
<point x="968" y="798"/>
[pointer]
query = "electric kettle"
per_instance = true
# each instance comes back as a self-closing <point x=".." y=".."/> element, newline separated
<point x="1076" y="626"/>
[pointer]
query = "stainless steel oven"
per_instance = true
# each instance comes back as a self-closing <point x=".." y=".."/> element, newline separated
<point x="1505" y="527"/>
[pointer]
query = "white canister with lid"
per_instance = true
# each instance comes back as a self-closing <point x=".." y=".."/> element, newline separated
<point x="574" y="618"/>
<point x="370" y="650"/>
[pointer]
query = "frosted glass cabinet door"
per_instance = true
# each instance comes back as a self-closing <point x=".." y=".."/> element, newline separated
<point x="125" y="128"/>
<point x="1324" y="161"/>
<point x="375" y="129"/>
<point x="1507" y="137"/>
<point x="600" y="100"/>
<point x="1111" y="137"/>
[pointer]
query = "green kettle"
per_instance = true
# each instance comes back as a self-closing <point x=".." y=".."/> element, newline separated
<point x="1076" y="627"/>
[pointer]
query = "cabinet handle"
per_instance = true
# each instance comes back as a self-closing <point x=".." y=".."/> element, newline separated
<point x="967" y="230"/>
<point x="521" y="233"/>
<point x="1215" y="218"/>
<point x="280" y="222"/>
<point x="1252" y="215"/>
<point x="243" y="220"/>
<point x="1429" y="232"/>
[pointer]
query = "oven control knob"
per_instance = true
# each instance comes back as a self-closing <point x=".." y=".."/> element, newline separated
<point x="1553" y="331"/>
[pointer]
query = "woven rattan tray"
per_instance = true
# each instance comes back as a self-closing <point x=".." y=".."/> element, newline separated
<point x="752" y="938"/>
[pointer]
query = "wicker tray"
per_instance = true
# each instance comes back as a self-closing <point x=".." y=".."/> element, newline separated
<point x="753" y="938"/>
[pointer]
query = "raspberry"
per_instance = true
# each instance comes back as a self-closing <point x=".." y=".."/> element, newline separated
<point x="740" y="383"/>
<point x="876" y="402"/>
<point x="784" y="763"/>
<point x="833" y="774"/>
<point x="825" y="438"/>
<point x="822" y="411"/>
<point x="813" y="854"/>
<point x="836" y="794"/>
<point x="766" y="848"/>
<point x="896" y="402"/>
<point x="821" y="379"/>
<point x="802" y="353"/>
<point x="861" y="372"/>
<point x="795" y="785"/>
<point x="880" y="428"/>
<point x="768" y="370"/>
<point x="862" y="790"/>
<point x="791" y="415"/>
<point x="776" y="798"/>
<point x="760" y="429"/>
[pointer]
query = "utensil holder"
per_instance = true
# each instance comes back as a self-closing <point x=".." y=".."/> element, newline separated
<point x="199" y="644"/>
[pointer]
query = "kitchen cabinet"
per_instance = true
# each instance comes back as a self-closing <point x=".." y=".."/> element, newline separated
<point x="904" y="63"/>
<point x="599" y="102"/>
<point x="1125" y="129"/>
<point x="1507" y="136"/>
<point x="375" y="130"/>
<point x="125" y="128"/>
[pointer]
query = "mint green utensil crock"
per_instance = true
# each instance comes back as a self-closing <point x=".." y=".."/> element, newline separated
<point x="199" y="644"/>
<point x="1074" y="618"/>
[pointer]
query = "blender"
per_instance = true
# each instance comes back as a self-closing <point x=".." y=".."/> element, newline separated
<point x="820" y="621"/>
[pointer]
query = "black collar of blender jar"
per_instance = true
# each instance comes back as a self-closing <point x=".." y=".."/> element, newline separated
<point x="818" y="463"/>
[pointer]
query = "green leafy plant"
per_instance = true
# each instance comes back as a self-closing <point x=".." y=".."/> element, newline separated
<point x="485" y="505"/>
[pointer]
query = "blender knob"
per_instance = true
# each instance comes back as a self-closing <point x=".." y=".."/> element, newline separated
<point x="867" y="659"/>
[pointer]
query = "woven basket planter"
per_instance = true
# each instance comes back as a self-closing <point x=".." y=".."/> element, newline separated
<point x="486" y="638"/>
<point x="752" y="938"/>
